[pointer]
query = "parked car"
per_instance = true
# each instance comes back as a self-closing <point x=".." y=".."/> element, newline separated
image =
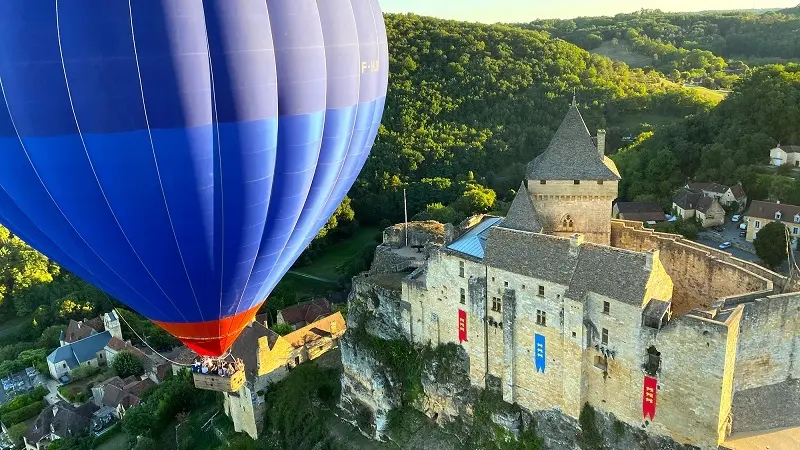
<point x="725" y="245"/>
<point x="743" y="233"/>
<point x="736" y="218"/>
<point x="743" y="226"/>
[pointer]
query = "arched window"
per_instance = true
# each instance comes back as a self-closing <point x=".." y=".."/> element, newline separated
<point x="566" y="223"/>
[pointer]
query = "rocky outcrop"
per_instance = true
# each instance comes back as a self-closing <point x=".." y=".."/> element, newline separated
<point x="378" y="307"/>
<point x="369" y="390"/>
<point x="419" y="233"/>
<point x="447" y="396"/>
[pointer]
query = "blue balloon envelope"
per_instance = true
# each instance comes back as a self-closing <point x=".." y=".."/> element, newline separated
<point x="181" y="154"/>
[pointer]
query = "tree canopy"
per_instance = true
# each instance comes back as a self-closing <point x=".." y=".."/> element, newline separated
<point x="770" y="244"/>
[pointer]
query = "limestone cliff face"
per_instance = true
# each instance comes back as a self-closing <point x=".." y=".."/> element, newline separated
<point x="369" y="390"/>
<point x="447" y="396"/>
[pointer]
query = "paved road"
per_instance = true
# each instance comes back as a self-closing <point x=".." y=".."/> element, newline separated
<point x="741" y="254"/>
<point x="305" y="275"/>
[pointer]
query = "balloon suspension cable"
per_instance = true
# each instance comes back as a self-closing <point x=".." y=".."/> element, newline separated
<point x="227" y="353"/>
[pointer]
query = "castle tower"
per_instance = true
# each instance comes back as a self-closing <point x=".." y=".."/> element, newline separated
<point x="112" y="325"/>
<point x="572" y="184"/>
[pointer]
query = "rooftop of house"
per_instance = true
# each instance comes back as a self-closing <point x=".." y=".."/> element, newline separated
<point x="572" y="155"/>
<point x="62" y="419"/>
<point x="77" y="330"/>
<point x="789" y="148"/>
<point x="738" y="192"/>
<point x="324" y="327"/>
<point x="307" y="312"/>
<point x="78" y="352"/>
<point x="686" y="199"/>
<point x="641" y="211"/>
<point x="767" y="210"/>
<point x="705" y="203"/>
<point x="612" y="272"/>
<point x="246" y="346"/>
<point x="708" y="187"/>
<point x="118" y="392"/>
<point x="522" y="214"/>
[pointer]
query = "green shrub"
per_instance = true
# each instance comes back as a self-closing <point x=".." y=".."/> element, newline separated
<point x="23" y="414"/>
<point x="23" y="400"/>
<point x="590" y="434"/>
<point x="84" y="372"/>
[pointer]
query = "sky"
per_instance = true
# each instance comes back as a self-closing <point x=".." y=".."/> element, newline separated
<point x="491" y="11"/>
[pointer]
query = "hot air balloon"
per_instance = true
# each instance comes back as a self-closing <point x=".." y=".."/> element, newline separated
<point x="181" y="154"/>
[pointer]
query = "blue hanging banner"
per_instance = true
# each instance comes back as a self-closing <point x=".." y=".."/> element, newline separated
<point x="538" y="348"/>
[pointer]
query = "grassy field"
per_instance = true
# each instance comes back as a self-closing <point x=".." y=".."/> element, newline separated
<point x="336" y="254"/>
<point x="714" y="96"/>
<point x="620" y="52"/>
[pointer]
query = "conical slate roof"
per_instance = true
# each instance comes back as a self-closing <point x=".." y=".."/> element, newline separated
<point x="571" y="155"/>
<point x="522" y="214"/>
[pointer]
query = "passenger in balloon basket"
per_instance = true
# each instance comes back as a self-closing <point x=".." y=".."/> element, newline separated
<point x="217" y="366"/>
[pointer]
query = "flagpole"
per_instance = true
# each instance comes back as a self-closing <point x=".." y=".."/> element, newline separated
<point x="405" y="215"/>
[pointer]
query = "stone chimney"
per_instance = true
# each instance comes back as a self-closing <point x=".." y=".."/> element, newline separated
<point x="575" y="242"/>
<point x="648" y="262"/>
<point x="601" y="143"/>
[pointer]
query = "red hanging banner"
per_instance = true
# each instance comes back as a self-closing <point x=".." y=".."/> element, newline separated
<point x="462" y="326"/>
<point x="649" y="397"/>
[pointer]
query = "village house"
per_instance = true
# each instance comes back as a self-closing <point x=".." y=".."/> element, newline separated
<point x="120" y="395"/>
<point x="708" y="211"/>
<point x="759" y="214"/>
<point x="305" y="313"/>
<point x="785" y="154"/>
<point x="58" y="421"/>
<point x="648" y="212"/>
<point x="268" y="358"/>
<point x="83" y="345"/>
<point x="726" y="195"/>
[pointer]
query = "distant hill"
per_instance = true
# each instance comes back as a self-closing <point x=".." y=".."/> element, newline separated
<point x="468" y="97"/>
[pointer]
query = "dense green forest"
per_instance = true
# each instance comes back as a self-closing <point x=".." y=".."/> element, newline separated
<point x="469" y="105"/>
<point x="727" y="144"/>
<point x="714" y="47"/>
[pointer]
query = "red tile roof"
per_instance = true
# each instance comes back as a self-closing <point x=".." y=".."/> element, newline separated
<point x="305" y="313"/>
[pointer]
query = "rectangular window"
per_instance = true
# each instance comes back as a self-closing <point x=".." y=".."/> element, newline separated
<point x="600" y="363"/>
<point x="497" y="305"/>
<point x="505" y="283"/>
<point x="600" y="182"/>
<point x="463" y="296"/>
<point x="461" y="269"/>
<point x="542" y="181"/>
<point x="492" y="279"/>
<point x="604" y="337"/>
<point x="758" y="224"/>
<point x="606" y="308"/>
<point x="576" y="181"/>
<point x="541" y="291"/>
<point x="795" y="230"/>
<point x="523" y="286"/>
<point x="541" y="318"/>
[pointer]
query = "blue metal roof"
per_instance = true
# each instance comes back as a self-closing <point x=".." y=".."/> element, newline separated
<point x="80" y="351"/>
<point x="473" y="242"/>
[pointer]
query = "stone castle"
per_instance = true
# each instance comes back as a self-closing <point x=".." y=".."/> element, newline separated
<point x="557" y="305"/>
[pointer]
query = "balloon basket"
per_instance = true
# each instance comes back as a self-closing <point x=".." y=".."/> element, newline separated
<point x="220" y="381"/>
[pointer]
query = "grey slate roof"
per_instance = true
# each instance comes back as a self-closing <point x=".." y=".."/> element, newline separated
<point x="81" y="351"/>
<point x="687" y="199"/>
<point x="790" y="148"/>
<point x="522" y="215"/>
<point x="615" y="273"/>
<point x="704" y="204"/>
<point x="571" y="154"/>
<point x="246" y="346"/>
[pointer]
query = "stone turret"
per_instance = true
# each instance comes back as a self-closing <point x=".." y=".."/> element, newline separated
<point x="112" y="324"/>
<point x="572" y="184"/>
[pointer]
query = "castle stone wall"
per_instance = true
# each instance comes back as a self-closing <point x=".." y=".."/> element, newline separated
<point x="701" y="275"/>
<point x="588" y="204"/>
<point x="769" y="344"/>
<point x="767" y="373"/>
